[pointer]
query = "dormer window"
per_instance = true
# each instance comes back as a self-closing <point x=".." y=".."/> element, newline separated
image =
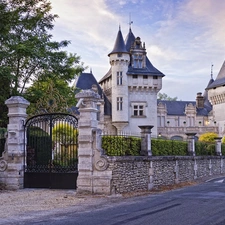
<point x="137" y="60"/>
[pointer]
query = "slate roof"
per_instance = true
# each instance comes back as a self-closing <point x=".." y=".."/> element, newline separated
<point x="220" y="79"/>
<point x="205" y="95"/>
<point x="148" y="70"/>
<point x="85" y="81"/>
<point x="129" y="40"/>
<point x="119" y="46"/>
<point x="217" y="83"/>
<point x="178" y="107"/>
<point x="108" y="74"/>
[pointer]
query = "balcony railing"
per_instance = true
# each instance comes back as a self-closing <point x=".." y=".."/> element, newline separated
<point x="182" y="130"/>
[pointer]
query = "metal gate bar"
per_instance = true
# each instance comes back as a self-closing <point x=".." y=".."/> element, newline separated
<point x="51" y="154"/>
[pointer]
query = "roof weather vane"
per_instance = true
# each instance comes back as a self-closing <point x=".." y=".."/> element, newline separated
<point x="130" y="22"/>
<point x="211" y="71"/>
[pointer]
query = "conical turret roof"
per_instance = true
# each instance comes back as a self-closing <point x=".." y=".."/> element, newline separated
<point x="207" y="103"/>
<point x="129" y="40"/>
<point x="221" y="74"/>
<point x="85" y="81"/>
<point x="220" y="79"/>
<point x="119" y="46"/>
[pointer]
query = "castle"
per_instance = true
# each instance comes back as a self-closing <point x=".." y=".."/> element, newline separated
<point x="129" y="97"/>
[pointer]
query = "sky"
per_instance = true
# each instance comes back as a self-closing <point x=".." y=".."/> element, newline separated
<point x="183" y="38"/>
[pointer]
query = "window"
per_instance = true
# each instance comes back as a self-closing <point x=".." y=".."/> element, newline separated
<point x="119" y="78"/>
<point x="155" y="77"/>
<point x="135" y="76"/>
<point x="98" y="113"/>
<point x="145" y="79"/>
<point x="119" y="103"/>
<point x="119" y="54"/>
<point x="137" y="60"/>
<point x="138" y="109"/>
<point x="161" y="121"/>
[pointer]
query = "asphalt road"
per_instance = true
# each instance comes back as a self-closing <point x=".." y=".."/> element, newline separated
<point x="202" y="204"/>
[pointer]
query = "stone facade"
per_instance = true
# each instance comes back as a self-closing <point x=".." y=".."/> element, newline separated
<point x="176" y="118"/>
<point x="131" y="86"/>
<point x="144" y="173"/>
<point x="92" y="166"/>
<point x="216" y="92"/>
<point x="12" y="162"/>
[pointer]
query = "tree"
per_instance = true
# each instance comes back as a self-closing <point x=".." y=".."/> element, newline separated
<point x="49" y="96"/>
<point x="26" y="50"/>
<point x="4" y="94"/>
<point x="65" y="134"/>
<point x="223" y="140"/>
<point x="208" y="137"/>
<point x="65" y="140"/>
<point x="163" y="96"/>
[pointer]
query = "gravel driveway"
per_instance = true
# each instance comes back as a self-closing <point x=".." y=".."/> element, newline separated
<point x="27" y="200"/>
<point x="24" y="201"/>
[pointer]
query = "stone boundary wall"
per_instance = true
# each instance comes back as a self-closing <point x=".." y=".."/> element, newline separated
<point x="143" y="173"/>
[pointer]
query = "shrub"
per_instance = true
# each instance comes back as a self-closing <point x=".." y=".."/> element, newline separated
<point x="121" y="145"/>
<point x="40" y="141"/>
<point x="208" y="137"/>
<point x="206" y="144"/>
<point x="204" y="148"/>
<point x="223" y="140"/>
<point x="2" y="139"/>
<point x="223" y="149"/>
<point x="168" y="147"/>
<point x="2" y="132"/>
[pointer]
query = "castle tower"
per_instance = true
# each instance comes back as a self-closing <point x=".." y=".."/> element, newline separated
<point x="216" y="94"/>
<point x="119" y="60"/>
<point x="131" y="85"/>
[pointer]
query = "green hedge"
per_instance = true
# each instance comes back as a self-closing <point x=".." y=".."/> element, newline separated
<point x="204" y="148"/>
<point x="223" y="149"/>
<point x="40" y="141"/>
<point x="168" y="147"/>
<point x="2" y="132"/>
<point x="121" y="145"/>
<point x="2" y="139"/>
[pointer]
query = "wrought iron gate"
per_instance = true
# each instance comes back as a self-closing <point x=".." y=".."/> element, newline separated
<point x="51" y="153"/>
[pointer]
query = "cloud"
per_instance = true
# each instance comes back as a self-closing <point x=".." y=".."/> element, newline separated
<point x="183" y="37"/>
<point x="87" y="26"/>
<point x="207" y="13"/>
<point x="83" y="21"/>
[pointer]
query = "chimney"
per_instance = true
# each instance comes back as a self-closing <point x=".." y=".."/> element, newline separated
<point x="199" y="100"/>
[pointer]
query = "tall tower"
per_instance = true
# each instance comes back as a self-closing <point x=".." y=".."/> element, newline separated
<point x="131" y="85"/>
<point x="119" y="59"/>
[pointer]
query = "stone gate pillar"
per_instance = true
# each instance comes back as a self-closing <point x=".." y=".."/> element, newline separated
<point x="93" y="176"/>
<point x="146" y="140"/>
<point x="191" y="143"/>
<point x="15" y="142"/>
<point x="218" y="146"/>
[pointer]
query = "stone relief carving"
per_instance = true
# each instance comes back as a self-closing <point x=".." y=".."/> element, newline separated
<point x="3" y="165"/>
<point x="101" y="164"/>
